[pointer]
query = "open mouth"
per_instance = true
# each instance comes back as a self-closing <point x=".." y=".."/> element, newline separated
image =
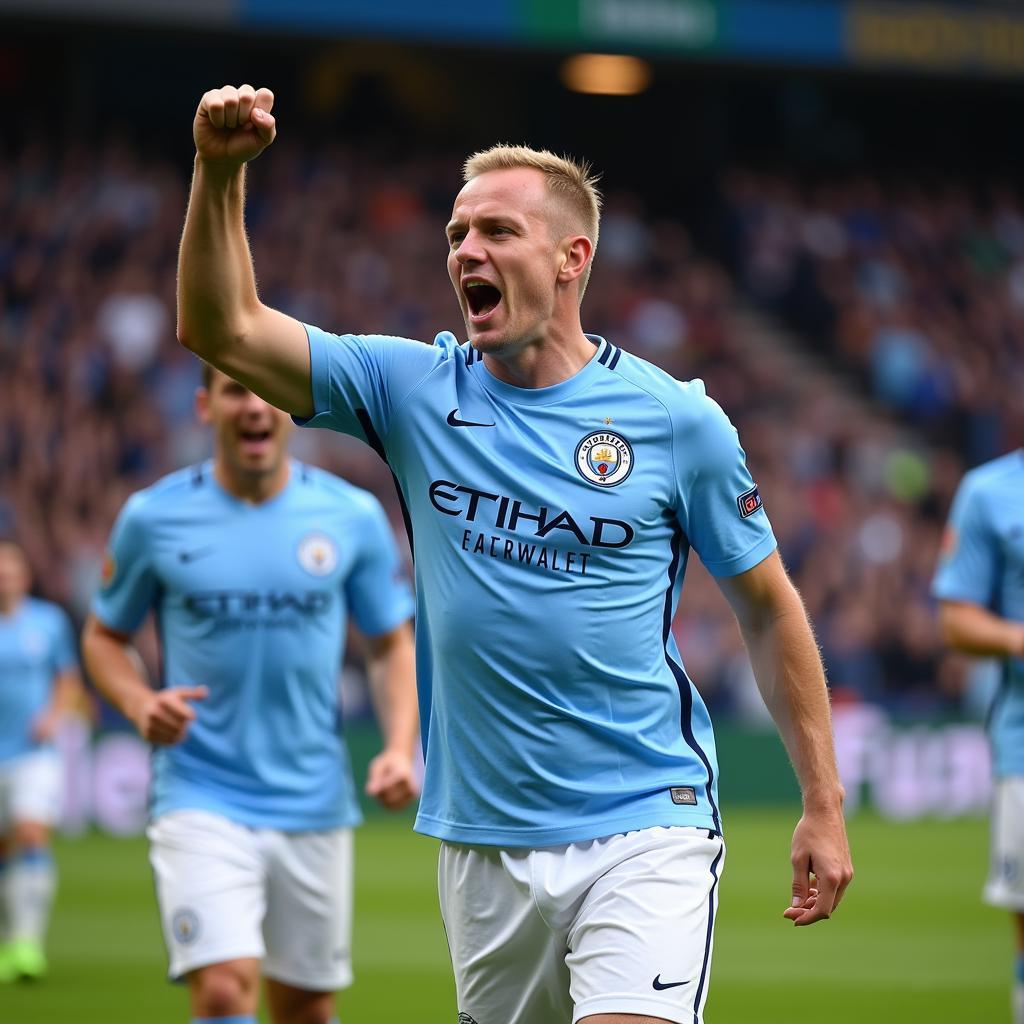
<point x="254" y="440"/>
<point x="482" y="297"/>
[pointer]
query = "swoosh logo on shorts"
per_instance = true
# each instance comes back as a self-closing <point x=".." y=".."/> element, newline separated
<point x="454" y="421"/>
<point x="660" y="985"/>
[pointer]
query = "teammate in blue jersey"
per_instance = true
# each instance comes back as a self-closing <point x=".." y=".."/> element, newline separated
<point x="980" y="587"/>
<point x="555" y="487"/>
<point x="39" y="684"/>
<point x="253" y="564"/>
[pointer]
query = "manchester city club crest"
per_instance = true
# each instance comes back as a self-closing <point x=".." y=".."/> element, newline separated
<point x="185" y="925"/>
<point x="604" y="458"/>
<point x="318" y="554"/>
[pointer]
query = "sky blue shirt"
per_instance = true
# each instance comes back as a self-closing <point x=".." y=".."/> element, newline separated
<point x="983" y="562"/>
<point x="36" y="645"/>
<point x="551" y="529"/>
<point x="253" y="601"/>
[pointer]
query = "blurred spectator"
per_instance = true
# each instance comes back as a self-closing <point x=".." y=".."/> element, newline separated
<point x="96" y="394"/>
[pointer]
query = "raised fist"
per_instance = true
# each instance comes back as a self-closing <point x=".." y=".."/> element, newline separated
<point x="233" y="126"/>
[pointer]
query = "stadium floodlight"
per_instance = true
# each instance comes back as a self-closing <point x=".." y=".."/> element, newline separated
<point x="606" y="74"/>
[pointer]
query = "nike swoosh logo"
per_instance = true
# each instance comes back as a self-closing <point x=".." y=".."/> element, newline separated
<point x="454" y="421"/>
<point x="660" y="985"/>
<point x="191" y="556"/>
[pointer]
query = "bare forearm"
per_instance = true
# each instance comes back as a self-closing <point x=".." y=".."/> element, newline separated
<point x="393" y="691"/>
<point x="113" y="668"/>
<point x="975" y="630"/>
<point x="216" y="283"/>
<point x="789" y="674"/>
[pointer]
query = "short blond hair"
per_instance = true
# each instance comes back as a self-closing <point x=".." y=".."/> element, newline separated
<point x="569" y="179"/>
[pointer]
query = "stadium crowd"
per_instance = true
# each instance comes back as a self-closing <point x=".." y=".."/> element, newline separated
<point x="96" y="394"/>
<point x="919" y="293"/>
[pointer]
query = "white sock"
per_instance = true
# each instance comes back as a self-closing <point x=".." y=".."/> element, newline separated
<point x="1018" y="1003"/>
<point x="31" y="884"/>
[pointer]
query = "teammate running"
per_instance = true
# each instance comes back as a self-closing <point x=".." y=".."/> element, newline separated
<point x="253" y="564"/>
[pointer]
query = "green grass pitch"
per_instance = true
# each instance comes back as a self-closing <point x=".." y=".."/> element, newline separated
<point x="912" y="943"/>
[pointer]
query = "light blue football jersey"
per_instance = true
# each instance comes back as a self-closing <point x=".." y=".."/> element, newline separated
<point x="253" y="602"/>
<point x="983" y="562"/>
<point x="36" y="645"/>
<point x="551" y="529"/>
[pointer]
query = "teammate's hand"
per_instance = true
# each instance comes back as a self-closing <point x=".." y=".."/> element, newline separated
<point x="391" y="780"/>
<point x="233" y="125"/>
<point x="44" y="728"/>
<point x="164" y="716"/>
<point x="821" y="850"/>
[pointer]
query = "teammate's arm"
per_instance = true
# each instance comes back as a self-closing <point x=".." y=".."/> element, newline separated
<point x="160" y="716"/>
<point x="973" y="629"/>
<point x="220" y="316"/>
<point x="66" y="695"/>
<point x="790" y="677"/>
<point x="391" y="666"/>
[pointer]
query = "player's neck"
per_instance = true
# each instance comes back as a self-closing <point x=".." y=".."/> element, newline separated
<point x="253" y="488"/>
<point x="10" y="605"/>
<point x="545" y="362"/>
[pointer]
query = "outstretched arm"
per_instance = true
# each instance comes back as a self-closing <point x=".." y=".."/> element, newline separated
<point x="391" y="666"/>
<point x="220" y="316"/>
<point x="789" y="674"/>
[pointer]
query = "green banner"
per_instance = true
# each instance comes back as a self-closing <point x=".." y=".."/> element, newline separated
<point x="677" y="25"/>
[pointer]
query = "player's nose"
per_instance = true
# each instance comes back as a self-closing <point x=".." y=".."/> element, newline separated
<point x="470" y="250"/>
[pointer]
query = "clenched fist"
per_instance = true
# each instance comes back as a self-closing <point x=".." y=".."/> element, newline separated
<point x="233" y="126"/>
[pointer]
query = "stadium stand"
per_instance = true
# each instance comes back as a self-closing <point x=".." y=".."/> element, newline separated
<point x="95" y="394"/>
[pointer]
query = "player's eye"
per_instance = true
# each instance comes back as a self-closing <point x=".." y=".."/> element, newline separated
<point x="455" y="239"/>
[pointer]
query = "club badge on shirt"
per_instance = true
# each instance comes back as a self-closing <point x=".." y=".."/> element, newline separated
<point x="604" y="458"/>
<point x="318" y="554"/>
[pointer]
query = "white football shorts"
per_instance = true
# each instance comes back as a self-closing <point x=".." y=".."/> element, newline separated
<point x="1005" y="885"/>
<point x="31" y="789"/>
<point x="622" y="924"/>
<point x="227" y="892"/>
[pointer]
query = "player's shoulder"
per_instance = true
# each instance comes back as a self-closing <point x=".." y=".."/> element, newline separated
<point x="1007" y="470"/>
<point x="391" y="346"/>
<point x="341" y="494"/>
<point x="685" y="402"/>
<point x="167" y="493"/>
<point x="45" y="611"/>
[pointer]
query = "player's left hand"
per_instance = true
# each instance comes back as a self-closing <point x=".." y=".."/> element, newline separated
<point x="391" y="780"/>
<point x="820" y="851"/>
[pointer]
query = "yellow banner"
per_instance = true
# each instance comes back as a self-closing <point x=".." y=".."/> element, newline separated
<point x="932" y="36"/>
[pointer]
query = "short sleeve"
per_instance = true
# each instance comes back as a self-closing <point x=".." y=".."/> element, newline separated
<point x="720" y="508"/>
<point x="968" y="567"/>
<point x="65" y="651"/>
<point x="129" y="586"/>
<point x="378" y="593"/>
<point x="359" y="381"/>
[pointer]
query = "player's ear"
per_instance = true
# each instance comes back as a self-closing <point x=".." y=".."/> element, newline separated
<point x="202" y="405"/>
<point x="574" y="252"/>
